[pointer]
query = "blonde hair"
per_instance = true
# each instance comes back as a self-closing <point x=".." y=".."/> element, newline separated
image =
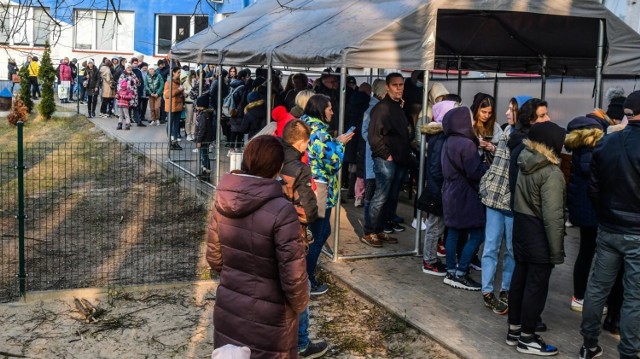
<point x="303" y="97"/>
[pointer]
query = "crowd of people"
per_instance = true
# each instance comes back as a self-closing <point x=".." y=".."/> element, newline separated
<point x="490" y="189"/>
<point x="501" y="186"/>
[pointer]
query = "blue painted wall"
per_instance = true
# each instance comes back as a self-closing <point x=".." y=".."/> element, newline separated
<point x="146" y="11"/>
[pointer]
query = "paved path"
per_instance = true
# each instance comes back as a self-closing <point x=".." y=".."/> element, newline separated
<point x="454" y="317"/>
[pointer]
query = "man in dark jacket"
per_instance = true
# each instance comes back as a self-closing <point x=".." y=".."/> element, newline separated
<point x="614" y="190"/>
<point x="137" y="116"/>
<point x="163" y="70"/>
<point x="389" y="141"/>
<point x="538" y="234"/>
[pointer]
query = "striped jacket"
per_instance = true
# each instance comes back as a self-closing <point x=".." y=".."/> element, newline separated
<point x="494" y="185"/>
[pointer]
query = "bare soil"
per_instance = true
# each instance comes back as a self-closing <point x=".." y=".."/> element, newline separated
<point x="176" y="322"/>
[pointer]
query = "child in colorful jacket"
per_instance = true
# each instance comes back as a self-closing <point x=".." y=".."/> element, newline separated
<point x="126" y="97"/>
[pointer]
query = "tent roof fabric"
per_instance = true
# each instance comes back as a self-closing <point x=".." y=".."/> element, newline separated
<point x="497" y="35"/>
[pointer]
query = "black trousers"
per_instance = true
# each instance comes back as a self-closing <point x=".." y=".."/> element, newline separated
<point x="142" y="105"/>
<point x="92" y="102"/>
<point x="106" y="107"/>
<point x="528" y="294"/>
<point x="35" y="89"/>
<point x="582" y="267"/>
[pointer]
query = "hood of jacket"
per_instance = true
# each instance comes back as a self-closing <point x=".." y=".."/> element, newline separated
<point x="290" y="152"/>
<point x="478" y="98"/>
<point x="235" y="83"/>
<point x="297" y="111"/>
<point x="436" y="91"/>
<point x="457" y="122"/>
<point x="535" y="156"/>
<point x="585" y="137"/>
<point x="520" y="100"/>
<point x="239" y="195"/>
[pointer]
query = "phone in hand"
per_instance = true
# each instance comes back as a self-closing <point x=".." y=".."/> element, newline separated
<point x="488" y="138"/>
<point x="353" y="128"/>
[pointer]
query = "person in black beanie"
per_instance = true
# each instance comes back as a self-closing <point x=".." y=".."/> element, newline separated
<point x="538" y="234"/>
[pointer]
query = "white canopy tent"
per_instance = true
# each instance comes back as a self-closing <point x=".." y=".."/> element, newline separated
<point x="548" y="37"/>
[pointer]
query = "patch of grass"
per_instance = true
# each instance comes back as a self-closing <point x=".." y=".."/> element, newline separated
<point x="71" y="129"/>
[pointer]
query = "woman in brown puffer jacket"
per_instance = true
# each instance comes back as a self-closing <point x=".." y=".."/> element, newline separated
<point x="254" y="243"/>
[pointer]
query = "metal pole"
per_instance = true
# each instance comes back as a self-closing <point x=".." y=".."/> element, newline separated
<point x="599" y="65"/>
<point x="22" y="276"/>
<point x="371" y="76"/>
<point x="343" y="93"/>
<point x="269" y="95"/>
<point x="460" y="76"/>
<point x="495" y="90"/>
<point x="543" y="72"/>
<point x="77" y="85"/>
<point x="201" y="81"/>
<point x="170" y="105"/>
<point x="218" y="124"/>
<point x="423" y="140"/>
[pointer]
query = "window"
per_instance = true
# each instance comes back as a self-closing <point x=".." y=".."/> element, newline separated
<point x="171" y="29"/>
<point x="23" y="25"/>
<point x="99" y="30"/>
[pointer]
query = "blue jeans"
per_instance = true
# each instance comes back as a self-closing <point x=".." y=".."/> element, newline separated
<point x="321" y="230"/>
<point x="499" y="224"/>
<point x="204" y="156"/>
<point x="174" y="125"/>
<point x="303" y="327"/>
<point x="613" y="251"/>
<point x="389" y="177"/>
<point x="476" y="237"/>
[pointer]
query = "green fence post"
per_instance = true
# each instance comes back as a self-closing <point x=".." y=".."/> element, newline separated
<point x="22" y="276"/>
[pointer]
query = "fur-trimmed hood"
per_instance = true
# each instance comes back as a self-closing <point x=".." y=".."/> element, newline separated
<point x="535" y="156"/>
<point x="586" y="137"/>
<point x="432" y="128"/>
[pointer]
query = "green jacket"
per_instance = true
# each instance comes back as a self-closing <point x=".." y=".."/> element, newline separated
<point x="154" y="84"/>
<point x="538" y="227"/>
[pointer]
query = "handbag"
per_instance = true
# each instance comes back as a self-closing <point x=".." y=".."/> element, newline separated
<point x="322" y="191"/>
<point x="15" y="78"/>
<point x="430" y="203"/>
<point x="85" y="83"/>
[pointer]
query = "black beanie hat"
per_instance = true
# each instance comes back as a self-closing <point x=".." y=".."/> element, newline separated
<point x="549" y="134"/>
<point x="615" y="111"/>
<point x="203" y="101"/>
<point x="583" y="122"/>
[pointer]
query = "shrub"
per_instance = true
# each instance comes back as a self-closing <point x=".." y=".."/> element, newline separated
<point x="47" y="75"/>
<point x="25" y="89"/>
<point x="18" y="112"/>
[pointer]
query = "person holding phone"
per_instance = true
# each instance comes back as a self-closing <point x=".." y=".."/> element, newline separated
<point x="484" y="124"/>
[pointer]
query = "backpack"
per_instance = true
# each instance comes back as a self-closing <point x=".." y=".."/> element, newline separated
<point x="230" y="103"/>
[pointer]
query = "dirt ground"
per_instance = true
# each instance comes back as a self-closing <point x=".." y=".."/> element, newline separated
<point x="176" y="322"/>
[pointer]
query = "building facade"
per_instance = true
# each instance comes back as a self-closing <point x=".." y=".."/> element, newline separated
<point x="91" y="29"/>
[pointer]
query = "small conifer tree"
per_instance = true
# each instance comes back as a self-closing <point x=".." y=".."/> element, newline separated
<point x="25" y="88"/>
<point x="47" y="77"/>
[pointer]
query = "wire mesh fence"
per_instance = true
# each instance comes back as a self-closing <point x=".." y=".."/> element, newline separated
<point x="102" y="214"/>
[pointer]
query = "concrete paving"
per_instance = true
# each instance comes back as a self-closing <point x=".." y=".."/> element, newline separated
<point x="456" y="318"/>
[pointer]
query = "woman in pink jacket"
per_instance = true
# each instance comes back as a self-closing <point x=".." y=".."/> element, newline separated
<point x="65" y="80"/>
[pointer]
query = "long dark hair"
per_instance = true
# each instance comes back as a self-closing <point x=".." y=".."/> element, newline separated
<point x="316" y="106"/>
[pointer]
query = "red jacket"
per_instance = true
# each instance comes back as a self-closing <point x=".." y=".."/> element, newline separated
<point x="64" y="73"/>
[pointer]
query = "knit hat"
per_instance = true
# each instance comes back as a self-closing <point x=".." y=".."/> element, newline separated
<point x="230" y="351"/>
<point x="632" y="104"/>
<point x="253" y="96"/>
<point x="203" y="101"/>
<point x="549" y="134"/>
<point x="440" y="109"/>
<point x="615" y="110"/>
<point x="583" y="122"/>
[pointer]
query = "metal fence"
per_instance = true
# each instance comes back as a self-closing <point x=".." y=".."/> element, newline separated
<point x="100" y="214"/>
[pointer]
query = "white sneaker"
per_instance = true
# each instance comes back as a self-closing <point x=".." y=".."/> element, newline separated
<point x="423" y="225"/>
<point x="568" y="224"/>
<point x="189" y="138"/>
<point x="359" y="202"/>
<point x="576" y="304"/>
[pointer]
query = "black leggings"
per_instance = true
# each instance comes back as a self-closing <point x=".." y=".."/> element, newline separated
<point x="92" y="102"/>
<point x="582" y="267"/>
